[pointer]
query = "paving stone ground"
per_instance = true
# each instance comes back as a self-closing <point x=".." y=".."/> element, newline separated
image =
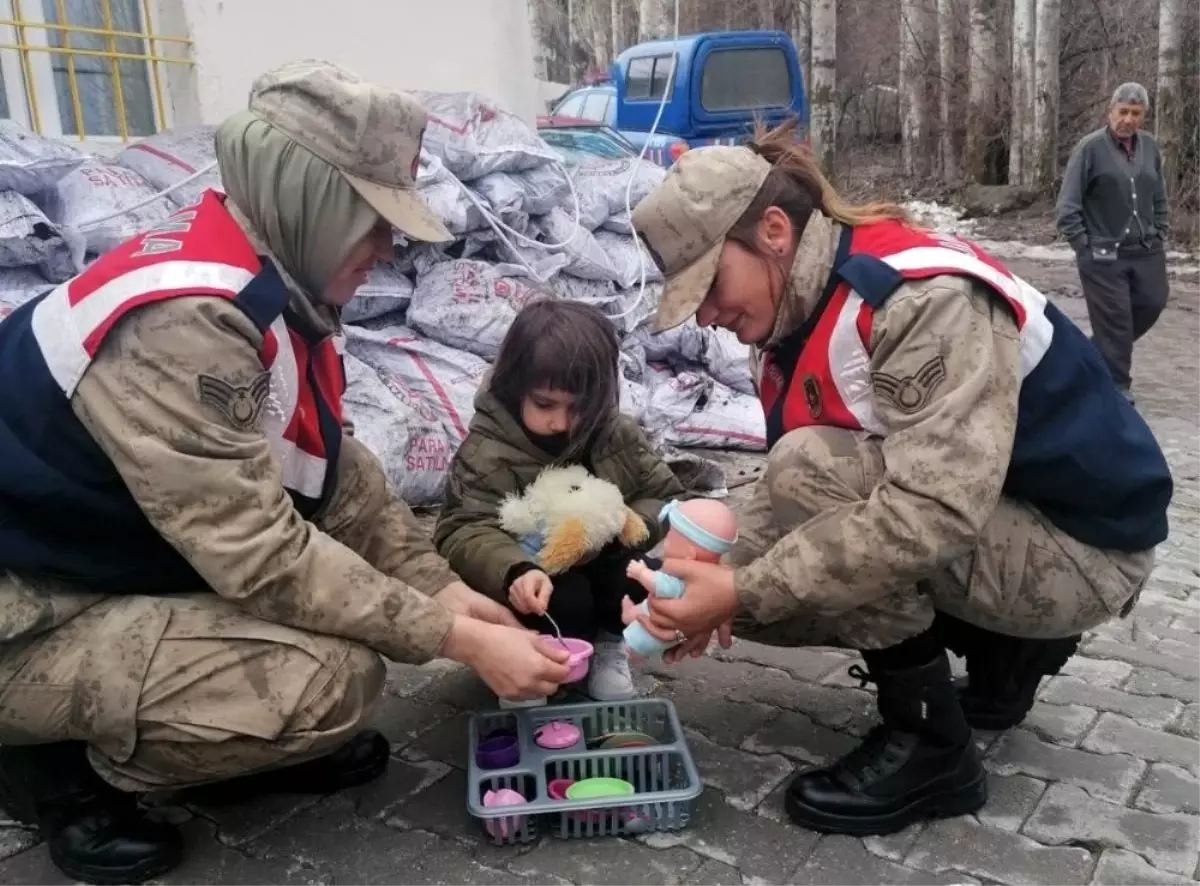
<point x="1098" y="786"/>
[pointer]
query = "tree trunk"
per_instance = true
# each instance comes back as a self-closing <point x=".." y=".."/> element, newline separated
<point x="616" y="17"/>
<point x="983" y="114"/>
<point x="802" y="37"/>
<point x="550" y="36"/>
<point x="1168" y="105"/>
<point x="572" y="41"/>
<point x="947" y="153"/>
<point x="823" y="94"/>
<point x="654" y="19"/>
<point x="1044" y="155"/>
<point x="915" y="32"/>
<point x="766" y="14"/>
<point x="593" y="29"/>
<point x="1021" y="135"/>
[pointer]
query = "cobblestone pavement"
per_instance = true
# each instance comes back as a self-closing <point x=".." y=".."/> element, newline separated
<point x="1098" y="786"/>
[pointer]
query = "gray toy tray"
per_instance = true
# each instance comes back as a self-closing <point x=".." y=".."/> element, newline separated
<point x="664" y="777"/>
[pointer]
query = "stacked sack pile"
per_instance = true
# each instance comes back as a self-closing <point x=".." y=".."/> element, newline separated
<point x="423" y="331"/>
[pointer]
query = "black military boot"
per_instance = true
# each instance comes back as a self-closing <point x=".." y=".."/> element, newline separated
<point x="919" y="763"/>
<point x="95" y="833"/>
<point x="360" y="760"/>
<point x="1003" y="673"/>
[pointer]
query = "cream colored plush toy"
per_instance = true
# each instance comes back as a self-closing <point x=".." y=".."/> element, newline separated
<point x="566" y="515"/>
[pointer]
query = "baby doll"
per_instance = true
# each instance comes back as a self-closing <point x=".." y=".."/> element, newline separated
<point x="700" y="529"/>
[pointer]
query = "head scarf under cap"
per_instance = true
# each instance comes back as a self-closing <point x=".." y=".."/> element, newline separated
<point x="297" y="205"/>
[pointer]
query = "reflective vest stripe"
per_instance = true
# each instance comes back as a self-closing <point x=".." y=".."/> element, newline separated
<point x="69" y="335"/>
<point x="1037" y="332"/>
<point x="303" y="472"/>
<point x="848" y="356"/>
<point x="70" y="322"/>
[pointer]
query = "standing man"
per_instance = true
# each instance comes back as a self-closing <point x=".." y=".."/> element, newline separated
<point x="1112" y="209"/>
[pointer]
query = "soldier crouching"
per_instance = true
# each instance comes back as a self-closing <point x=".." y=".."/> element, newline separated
<point x="950" y="467"/>
<point x="201" y="566"/>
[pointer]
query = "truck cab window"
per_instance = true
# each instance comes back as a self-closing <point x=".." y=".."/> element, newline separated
<point x="744" y="79"/>
<point x="646" y="77"/>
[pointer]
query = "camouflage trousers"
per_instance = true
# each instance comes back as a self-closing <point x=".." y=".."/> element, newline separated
<point x="1025" y="577"/>
<point x="174" y="690"/>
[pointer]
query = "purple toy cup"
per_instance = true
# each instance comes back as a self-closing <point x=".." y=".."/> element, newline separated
<point x="580" y="652"/>
<point x="498" y="751"/>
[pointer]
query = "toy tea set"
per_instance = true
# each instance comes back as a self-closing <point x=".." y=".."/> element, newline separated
<point x="591" y="769"/>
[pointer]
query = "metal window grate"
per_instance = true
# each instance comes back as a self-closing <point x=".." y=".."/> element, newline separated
<point x="91" y="69"/>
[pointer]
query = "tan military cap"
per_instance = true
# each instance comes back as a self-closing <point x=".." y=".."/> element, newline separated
<point x="370" y="133"/>
<point x="684" y="221"/>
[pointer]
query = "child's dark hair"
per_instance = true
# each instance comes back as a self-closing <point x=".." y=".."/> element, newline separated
<point x="567" y="346"/>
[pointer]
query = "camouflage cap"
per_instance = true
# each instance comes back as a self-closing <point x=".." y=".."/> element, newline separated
<point x="683" y="222"/>
<point x="370" y="133"/>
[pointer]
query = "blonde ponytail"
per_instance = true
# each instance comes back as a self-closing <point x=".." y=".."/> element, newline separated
<point x="779" y="147"/>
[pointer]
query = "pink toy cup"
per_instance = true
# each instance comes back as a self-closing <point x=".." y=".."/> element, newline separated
<point x="580" y="651"/>
<point x="501" y="827"/>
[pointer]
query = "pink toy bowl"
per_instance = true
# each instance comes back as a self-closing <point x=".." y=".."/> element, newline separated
<point x="500" y="827"/>
<point x="556" y="735"/>
<point x="580" y="651"/>
<point x="557" y="789"/>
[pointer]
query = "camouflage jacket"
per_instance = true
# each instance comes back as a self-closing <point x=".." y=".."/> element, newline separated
<point x="361" y="570"/>
<point x="944" y="464"/>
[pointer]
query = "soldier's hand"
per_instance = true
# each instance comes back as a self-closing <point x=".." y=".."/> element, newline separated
<point x="709" y="601"/>
<point x="696" y="646"/>
<point x="462" y="600"/>
<point x="516" y="664"/>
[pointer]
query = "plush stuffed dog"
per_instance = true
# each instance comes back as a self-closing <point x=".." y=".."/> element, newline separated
<point x="567" y="514"/>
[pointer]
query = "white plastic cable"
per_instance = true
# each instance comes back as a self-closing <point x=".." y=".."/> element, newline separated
<point x="629" y="186"/>
<point x="501" y="229"/>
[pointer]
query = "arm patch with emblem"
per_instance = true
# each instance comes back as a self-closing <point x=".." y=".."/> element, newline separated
<point x="241" y="404"/>
<point x="912" y="392"/>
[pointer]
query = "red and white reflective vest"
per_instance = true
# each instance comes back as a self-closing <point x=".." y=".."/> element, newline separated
<point x="201" y="250"/>
<point x="821" y="374"/>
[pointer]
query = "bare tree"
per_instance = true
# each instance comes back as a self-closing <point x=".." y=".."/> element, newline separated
<point x="947" y="155"/>
<point x="1021" y="137"/>
<point x="982" y="114"/>
<point x="823" y="94"/>
<point x="1043" y="153"/>
<point x="549" y="20"/>
<point x="802" y="36"/>
<point x="916" y="29"/>
<point x="1168" y="105"/>
<point x="655" y="19"/>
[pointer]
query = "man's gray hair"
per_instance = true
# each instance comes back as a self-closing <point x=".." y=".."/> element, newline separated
<point x="1130" y="93"/>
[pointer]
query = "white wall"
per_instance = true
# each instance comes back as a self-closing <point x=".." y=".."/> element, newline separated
<point x="484" y="46"/>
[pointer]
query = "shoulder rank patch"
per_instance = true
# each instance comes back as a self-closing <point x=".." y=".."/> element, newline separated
<point x="911" y="393"/>
<point x="242" y="405"/>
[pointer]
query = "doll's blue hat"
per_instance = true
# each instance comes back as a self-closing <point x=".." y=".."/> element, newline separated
<point x="689" y="530"/>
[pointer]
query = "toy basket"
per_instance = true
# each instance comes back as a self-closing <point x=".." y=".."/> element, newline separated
<point x="639" y="742"/>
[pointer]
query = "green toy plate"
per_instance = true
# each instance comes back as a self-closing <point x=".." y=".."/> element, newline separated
<point x="594" y="788"/>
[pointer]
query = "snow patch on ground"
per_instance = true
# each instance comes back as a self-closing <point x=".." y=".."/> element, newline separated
<point x="949" y="220"/>
<point x="943" y="219"/>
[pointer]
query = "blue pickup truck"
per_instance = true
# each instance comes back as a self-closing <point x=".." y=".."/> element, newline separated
<point x="723" y="81"/>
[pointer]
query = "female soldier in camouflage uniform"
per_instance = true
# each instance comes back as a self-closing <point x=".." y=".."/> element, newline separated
<point x="200" y="566"/>
<point x="950" y="466"/>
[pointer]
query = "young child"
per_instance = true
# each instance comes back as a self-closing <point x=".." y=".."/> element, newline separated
<point x="552" y="398"/>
